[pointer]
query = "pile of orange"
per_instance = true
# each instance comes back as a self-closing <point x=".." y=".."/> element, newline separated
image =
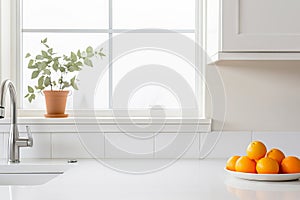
<point x="258" y="160"/>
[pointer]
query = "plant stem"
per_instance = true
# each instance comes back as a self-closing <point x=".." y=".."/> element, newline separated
<point x="61" y="81"/>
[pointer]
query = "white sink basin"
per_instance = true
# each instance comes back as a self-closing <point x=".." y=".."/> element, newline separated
<point x="30" y="173"/>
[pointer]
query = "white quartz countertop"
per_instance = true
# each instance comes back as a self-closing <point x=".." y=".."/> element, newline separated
<point x="184" y="180"/>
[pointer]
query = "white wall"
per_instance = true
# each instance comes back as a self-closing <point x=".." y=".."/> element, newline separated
<point x="260" y="95"/>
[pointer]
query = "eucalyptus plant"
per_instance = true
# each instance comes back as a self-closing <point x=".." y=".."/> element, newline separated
<point x="54" y="71"/>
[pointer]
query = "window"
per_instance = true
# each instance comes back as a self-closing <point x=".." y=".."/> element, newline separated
<point x="71" y="25"/>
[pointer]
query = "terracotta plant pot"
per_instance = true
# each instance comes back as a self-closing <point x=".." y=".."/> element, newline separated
<point x="56" y="103"/>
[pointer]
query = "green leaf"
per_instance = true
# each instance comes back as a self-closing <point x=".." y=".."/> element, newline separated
<point x="30" y="89"/>
<point x="66" y="58"/>
<point x="40" y="87"/>
<point x="47" y="81"/>
<point x="73" y="57"/>
<point x="44" y="40"/>
<point x="35" y="74"/>
<point x="55" y="65"/>
<point x="73" y="84"/>
<point x="31" y="97"/>
<point x="88" y="62"/>
<point x="56" y="58"/>
<point x="41" y="81"/>
<point x="79" y="63"/>
<point x="30" y="64"/>
<point x="39" y="57"/>
<point x="71" y="69"/>
<point x="27" y="95"/>
<point x="83" y="54"/>
<point x="89" y="49"/>
<point x="50" y="51"/>
<point x="46" y="45"/>
<point x="79" y="53"/>
<point x="45" y="54"/>
<point x="50" y="59"/>
<point x="65" y="85"/>
<point x="76" y="68"/>
<point x="102" y="54"/>
<point x="27" y="55"/>
<point x="62" y="69"/>
<point x="73" y="79"/>
<point x="47" y="72"/>
<point x="42" y="65"/>
<point x="89" y="55"/>
<point x="32" y="67"/>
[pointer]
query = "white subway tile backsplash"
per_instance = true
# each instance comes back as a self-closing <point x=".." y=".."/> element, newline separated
<point x="41" y="146"/>
<point x="288" y="142"/>
<point x="121" y="145"/>
<point x="176" y="145"/>
<point x="226" y="144"/>
<point x="93" y="143"/>
<point x="147" y="145"/>
<point x="73" y="145"/>
<point x="4" y="128"/>
<point x="5" y="192"/>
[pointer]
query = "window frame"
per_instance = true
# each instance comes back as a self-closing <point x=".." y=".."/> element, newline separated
<point x="14" y="59"/>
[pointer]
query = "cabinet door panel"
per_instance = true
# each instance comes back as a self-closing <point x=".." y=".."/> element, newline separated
<point x="261" y="25"/>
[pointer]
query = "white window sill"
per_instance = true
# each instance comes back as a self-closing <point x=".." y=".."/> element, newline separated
<point x="106" y="120"/>
<point x="109" y="124"/>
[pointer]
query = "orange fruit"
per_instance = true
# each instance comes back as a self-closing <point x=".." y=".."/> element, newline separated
<point x="290" y="164"/>
<point x="256" y="150"/>
<point x="276" y="154"/>
<point x="245" y="164"/>
<point x="267" y="166"/>
<point x="230" y="165"/>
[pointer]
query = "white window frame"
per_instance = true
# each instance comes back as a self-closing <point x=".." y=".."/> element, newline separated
<point x="9" y="61"/>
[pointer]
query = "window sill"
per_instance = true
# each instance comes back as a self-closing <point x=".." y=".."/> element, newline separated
<point x="109" y="124"/>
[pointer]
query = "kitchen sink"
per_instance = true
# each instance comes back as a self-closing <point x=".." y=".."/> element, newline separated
<point x="30" y="173"/>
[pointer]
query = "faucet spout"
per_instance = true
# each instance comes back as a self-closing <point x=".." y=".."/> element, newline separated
<point x="15" y="141"/>
<point x="8" y="85"/>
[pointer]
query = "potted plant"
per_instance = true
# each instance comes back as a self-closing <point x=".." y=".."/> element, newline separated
<point x="54" y="74"/>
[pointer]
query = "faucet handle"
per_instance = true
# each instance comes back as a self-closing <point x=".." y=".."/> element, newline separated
<point x="29" y="135"/>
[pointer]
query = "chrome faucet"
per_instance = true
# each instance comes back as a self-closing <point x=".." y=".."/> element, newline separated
<point x="15" y="141"/>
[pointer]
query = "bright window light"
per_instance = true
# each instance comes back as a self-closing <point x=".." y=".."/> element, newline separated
<point x="70" y="25"/>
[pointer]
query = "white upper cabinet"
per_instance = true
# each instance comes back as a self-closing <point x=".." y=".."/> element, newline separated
<point x="253" y="29"/>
